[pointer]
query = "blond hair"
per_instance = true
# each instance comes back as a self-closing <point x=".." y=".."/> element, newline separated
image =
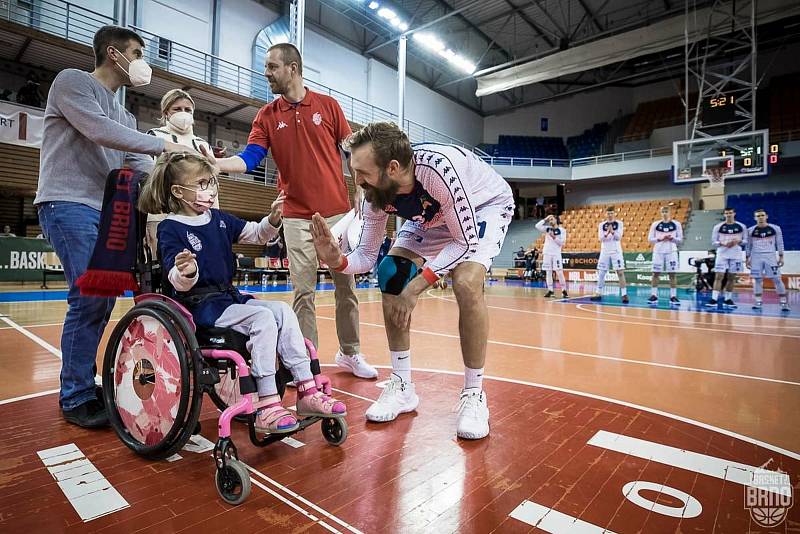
<point x="169" y="98"/>
<point x="171" y="169"/>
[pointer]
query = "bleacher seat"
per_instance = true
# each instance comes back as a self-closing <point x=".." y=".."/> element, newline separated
<point x="781" y="208"/>
<point x="589" y="143"/>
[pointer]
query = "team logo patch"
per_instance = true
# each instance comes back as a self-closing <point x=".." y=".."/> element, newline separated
<point x="222" y="224"/>
<point x="194" y="241"/>
<point x="282" y="124"/>
<point x="317" y="118"/>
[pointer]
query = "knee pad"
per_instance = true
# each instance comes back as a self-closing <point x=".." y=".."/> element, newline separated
<point x="394" y="274"/>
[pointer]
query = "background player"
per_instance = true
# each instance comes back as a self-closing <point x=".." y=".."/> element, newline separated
<point x="457" y="210"/>
<point x="665" y="235"/>
<point x="762" y="242"/>
<point x="554" y="238"/>
<point x="610" y="234"/>
<point x="728" y="236"/>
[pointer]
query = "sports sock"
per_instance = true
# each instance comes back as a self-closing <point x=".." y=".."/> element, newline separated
<point x="401" y="364"/>
<point x="473" y="378"/>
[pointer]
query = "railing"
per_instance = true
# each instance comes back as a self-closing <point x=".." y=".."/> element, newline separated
<point x="784" y="136"/>
<point x="578" y="162"/>
<point x="78" y="24"/>
<point x="525" y="162"/>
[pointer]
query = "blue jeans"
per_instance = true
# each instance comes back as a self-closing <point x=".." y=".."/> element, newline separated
<point x="71" y="229"/>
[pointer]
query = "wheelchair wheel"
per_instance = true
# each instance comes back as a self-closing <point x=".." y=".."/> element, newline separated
<point x="334" y="430"/>
<point x="151" y="380"/>
<point x="233" y="482"/>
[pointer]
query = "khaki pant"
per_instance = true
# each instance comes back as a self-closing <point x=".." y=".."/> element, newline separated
<point x="303" y="265"/>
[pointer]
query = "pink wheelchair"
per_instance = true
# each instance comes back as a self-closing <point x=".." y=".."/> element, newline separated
<point x="157" y="366"/>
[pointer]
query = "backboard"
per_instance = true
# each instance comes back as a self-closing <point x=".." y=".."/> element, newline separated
<point x="739" y="155"/>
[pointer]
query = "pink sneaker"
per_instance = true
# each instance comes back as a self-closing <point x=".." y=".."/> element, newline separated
<point x="320" y="405"/>
<point x="275" y="419"/>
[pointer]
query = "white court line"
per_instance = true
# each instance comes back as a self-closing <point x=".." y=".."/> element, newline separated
<point x="553" y="521"/>
<point x="627" y="404"/>
<point x="86" y="489"/>
<point x="36" y="339"/>
<point x="308" y="503"/>
<point x="29" y="396"/>
<point x="348" y="393"/>
<point x="584" y="318"/>
<point x="596" y="356"/>
<point x="286" y="501"/>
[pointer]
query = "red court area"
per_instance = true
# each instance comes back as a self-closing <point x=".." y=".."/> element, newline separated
<point x="555" y="461"/>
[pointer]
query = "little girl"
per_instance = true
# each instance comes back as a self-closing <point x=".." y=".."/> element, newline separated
<point x="195" y="246"/>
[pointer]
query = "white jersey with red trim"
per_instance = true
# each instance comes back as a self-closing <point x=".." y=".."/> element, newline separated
<point x="451" y="185"/>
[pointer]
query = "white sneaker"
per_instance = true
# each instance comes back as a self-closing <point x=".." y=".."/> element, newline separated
<point x="397" y="397"/>
<point x="356" y="364"/>
<point x="473" y="415"/>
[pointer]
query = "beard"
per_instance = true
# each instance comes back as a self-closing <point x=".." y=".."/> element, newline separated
<point x="277" y="87"/>
<point x="382" y="194"/>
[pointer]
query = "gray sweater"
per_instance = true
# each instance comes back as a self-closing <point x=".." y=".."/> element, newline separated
<point x="87" y="133"/>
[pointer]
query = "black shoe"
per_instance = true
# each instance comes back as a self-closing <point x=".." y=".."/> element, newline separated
<point x="712" y="303"/>
<point x="595" y="298"/>
<point x="653" y="299"/>
<point x="564" y="294"/>
<point x="90" y="414"/>
<point x="728" y="303"/>
<point x="548" y="294"/>
<point x="625" y="299"/>
<point x="674" y="301"/>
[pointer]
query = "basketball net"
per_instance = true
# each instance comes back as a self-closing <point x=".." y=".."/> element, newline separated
<point x="716" y="175"/>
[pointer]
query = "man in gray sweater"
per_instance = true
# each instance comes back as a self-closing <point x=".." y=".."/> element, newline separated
<point x="87" y="133"/>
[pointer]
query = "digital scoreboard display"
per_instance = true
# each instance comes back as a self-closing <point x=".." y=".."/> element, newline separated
<point x="745" y="158"/>
<point x="718" y="109"/>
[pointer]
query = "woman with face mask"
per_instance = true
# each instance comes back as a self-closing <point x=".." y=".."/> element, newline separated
<point x="177" y="126"/>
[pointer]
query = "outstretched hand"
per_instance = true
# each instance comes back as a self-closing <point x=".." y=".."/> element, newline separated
<point x="209" y="155"/>
<point x="327" y="248"/>
<point x="276" y="210"/>
<point x="186" y="264"/>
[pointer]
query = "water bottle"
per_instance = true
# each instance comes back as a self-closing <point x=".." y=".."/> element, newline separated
<point x="274" y="280"/>
<point x="246" y="280"/>
<point x="321" y="278"/>
<point x="263" y="282"/>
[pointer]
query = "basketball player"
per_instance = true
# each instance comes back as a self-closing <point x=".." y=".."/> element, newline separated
<point x="554" y="238"/>
<point x="610" y="234"/>
<point x="665" y="235"/>
<point x="457" y="211"/>
<point x="762" y="242"/>
<point x="728" y="236"/>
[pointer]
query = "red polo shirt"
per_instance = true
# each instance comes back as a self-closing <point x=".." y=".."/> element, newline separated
<point x="305" y="139"/>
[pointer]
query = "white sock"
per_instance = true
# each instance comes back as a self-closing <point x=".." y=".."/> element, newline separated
<point x="728" y="295"/>
<point x="549" y="278"/>
<point x="715" y="294"/>
<point x="401" y="364"/>
<point x="623" y="291"/>
<point x="601" y="281"/>
<point x="673" y="291"/>
<point x="473" y="378"/>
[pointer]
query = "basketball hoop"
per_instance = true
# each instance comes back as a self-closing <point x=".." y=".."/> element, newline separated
<point x="716" y="175"/>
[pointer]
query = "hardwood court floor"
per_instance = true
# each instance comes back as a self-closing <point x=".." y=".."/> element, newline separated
<point x="572" y="373"/>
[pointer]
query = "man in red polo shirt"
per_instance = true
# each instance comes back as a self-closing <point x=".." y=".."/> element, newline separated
<point x="305" y="131"/>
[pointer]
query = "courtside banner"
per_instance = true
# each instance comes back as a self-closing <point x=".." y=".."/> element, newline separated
<point x="22" y="259"/>
<point x="635" y="261"/>
<point x="21" y="125"/>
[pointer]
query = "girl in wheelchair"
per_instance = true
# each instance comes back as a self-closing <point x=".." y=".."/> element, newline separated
<point x="195" y="246"/>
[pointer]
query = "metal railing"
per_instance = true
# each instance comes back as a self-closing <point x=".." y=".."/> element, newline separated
<point x="578" y="162"/>
<point x="78" y="24"/>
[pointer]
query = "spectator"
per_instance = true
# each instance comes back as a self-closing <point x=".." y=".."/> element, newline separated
<point x="177" y="125"/>
<point x="305" y="131"/>
<point x="519" y="257"/>
<point x="87" y="133"/>
<point x="540" y="207"/>
<point x="5" y="95"/>
<point x="30" y="94"/>
<point x="7" y="232"/>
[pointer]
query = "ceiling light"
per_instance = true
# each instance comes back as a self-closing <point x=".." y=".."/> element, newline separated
<point x="403" y="26"/>
<point x="374" y="5"/>
<point x="386" y="13"/>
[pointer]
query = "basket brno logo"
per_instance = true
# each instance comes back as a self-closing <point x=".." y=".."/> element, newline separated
<point x="770" y="497"/>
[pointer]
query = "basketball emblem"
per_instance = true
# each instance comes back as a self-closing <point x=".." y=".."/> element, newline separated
<point x="317" y="118"/>
<point x="197" y="245"/>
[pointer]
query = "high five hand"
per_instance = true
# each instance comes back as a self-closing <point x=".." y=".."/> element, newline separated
<point x="185" y="263"/>
<point x="327" y="248"/>
<point x="276" y="210"/>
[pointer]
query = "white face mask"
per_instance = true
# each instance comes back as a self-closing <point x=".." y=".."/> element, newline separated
<point x="139" y="72"/>
<point x="181" y="121"/>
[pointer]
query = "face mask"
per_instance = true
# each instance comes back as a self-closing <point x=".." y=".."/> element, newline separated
<point x="204" y="200"/>
<point x="181" y="121"/>
<point x="138" y="71"/>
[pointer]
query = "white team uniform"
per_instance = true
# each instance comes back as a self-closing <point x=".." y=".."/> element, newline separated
<point x="459" y="211"/>
<point x="729" y="259"/>
<point x="554" y="239"/>
<point x="761" y="247"/>
<point x="610" y="234"/>
<point x="665" y="253"/>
